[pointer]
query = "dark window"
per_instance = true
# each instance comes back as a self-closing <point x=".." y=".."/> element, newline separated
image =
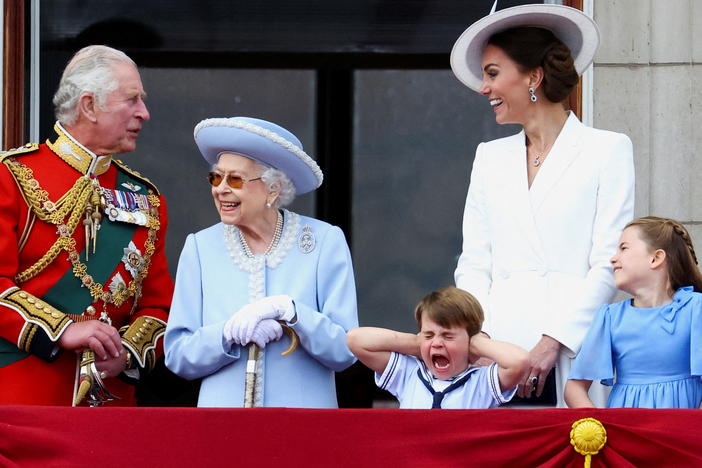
<point x="365" y="85"/>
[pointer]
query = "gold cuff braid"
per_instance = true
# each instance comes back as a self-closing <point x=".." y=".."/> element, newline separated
<point x="37" y="313"/>
<point x="141" y="338"/>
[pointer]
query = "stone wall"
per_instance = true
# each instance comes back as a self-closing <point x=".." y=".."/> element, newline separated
<point x="648" y="84"/>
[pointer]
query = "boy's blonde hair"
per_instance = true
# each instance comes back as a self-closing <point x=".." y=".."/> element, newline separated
<point x="451" y="307"/>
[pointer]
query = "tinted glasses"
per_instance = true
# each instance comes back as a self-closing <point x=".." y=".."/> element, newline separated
<point x="233" y="181"/>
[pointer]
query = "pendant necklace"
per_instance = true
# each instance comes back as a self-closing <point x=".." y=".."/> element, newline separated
<point x="537" y="160"/>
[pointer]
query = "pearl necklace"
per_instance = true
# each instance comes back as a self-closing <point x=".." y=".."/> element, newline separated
<point x="274" y="241"/>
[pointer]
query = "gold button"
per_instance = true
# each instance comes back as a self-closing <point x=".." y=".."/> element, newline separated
<point x="134" y="339"/>
<point x="39" y="305"/>
<point x="56" y="315"/>
<point x="31" y="300"/>
<point x="23" y="295"/>
<point x="139" y="335"/>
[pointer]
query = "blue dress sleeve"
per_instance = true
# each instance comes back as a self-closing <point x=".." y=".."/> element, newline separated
<point x="696" y="339"/>
<point x="192" y="349"/>
<point x="595" y="361"/>
<point x="322" y="327"/>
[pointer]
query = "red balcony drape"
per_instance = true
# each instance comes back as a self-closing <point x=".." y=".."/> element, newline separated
<point x="154" y="437"/>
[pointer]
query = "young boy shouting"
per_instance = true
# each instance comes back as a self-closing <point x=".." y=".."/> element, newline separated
<point x="432" y="368"/>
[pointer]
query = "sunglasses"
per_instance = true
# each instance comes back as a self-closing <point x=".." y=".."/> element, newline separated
<point x="233" y="181"/>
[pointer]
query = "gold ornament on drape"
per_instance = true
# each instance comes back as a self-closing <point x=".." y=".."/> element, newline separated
<point x="587" y="437"/>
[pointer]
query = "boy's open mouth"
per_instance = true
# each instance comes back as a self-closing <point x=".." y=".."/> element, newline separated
<point x="439" y="361"/>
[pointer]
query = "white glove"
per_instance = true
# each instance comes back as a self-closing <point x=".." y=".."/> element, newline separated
<point x="266" y="331"/>
<point x="240" y="327"/>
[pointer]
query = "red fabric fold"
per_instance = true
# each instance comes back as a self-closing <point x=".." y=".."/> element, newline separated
<point x="56" y="436"/>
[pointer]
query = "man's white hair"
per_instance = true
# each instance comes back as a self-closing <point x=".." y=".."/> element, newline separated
<point x="91" y="70"/>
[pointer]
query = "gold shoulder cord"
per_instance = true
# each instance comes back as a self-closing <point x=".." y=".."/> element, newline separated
<point x="73" y="204"/>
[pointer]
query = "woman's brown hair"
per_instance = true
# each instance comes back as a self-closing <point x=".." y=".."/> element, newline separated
<point x="672" y="237"/>
<point x="531" y="47"/>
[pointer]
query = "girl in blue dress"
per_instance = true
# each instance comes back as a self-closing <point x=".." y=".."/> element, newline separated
<point x="654" y="340"/>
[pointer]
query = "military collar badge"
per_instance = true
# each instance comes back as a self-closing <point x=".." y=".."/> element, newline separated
<point x="131" y="186"/>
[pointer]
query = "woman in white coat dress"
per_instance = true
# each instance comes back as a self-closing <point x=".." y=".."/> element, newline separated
<point x="263" y="267"/>
<point x="545" y="207"/>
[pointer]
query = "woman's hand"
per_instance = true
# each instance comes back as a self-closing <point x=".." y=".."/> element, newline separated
<point x="102" y="338"/>
<point x="240" y="327"/>
<point x="542" y="358"/>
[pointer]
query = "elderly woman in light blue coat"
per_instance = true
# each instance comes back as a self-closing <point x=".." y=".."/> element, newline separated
<point x="262" y="268"/>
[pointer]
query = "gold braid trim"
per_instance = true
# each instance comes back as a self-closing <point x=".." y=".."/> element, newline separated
<point x="75" y="202"/>
<point x="28" y="148"/>
<point x="27" y="230"/>
<point x="36" y="312"/>
<point x="141" y="338"/>
<point x="38" y="198"/>
<point x="27" y="336"/>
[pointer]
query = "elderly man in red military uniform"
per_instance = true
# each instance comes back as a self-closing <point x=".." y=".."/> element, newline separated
<point x="84" y="285"/>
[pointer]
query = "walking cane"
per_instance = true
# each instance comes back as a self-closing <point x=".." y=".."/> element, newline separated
<point x="251" y="371"/>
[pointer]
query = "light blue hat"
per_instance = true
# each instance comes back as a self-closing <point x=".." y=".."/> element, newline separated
<point x="262" y="141"/>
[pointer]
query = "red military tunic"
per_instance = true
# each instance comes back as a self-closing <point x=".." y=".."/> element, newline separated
<point x="44" y="288"/>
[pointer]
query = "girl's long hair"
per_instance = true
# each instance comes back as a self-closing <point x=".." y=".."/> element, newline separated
<point x="672" y="237"/>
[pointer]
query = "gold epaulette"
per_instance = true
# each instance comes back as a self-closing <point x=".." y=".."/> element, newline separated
<point x="36" y="313"/>
<point x="28" y="148"/>
<point x="120" y="164"/>
<point x="141" y="338"/>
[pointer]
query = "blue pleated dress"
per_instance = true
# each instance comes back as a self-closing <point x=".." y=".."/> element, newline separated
<point x="656" y="352"/>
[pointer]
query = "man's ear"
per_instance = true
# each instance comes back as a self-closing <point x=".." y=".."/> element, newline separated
<point x="87" y="107"/>
<point x="658" y="258"/>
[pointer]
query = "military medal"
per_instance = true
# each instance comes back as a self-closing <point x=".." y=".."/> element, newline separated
<point x="117" y="284"/>
<point x="132" y="259"/>
<point x="127" y="207"/>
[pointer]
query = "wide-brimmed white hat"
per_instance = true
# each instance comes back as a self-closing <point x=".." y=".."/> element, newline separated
<point x="262" y="141"/>
<point x="573" y="27"/>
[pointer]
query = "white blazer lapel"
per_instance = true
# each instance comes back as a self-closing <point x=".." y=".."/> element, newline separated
<point x="515" y="174"/>
<point x="564" y="151"/>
